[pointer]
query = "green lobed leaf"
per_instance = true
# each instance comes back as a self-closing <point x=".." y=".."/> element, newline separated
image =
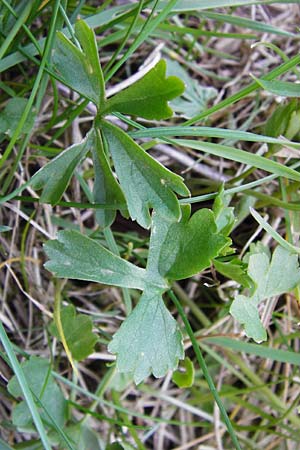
<point x="149" y="96"/>
<point x="106" y="187"/>
<point x="149" y="340"/>
<point x="77" y="331"/>
<point x="190" y="245"/>
<point x="55" y="176"/>
<point x="80" y="69"/>
<point x="38" y="375"/>
<point x="145" y="182"/>
<point x="272" y="278"/>
<point x="73" y="255"/>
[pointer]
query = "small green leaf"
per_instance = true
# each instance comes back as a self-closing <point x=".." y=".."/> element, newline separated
<point x="80" y="69"/>
<point x="55" y="176"/>
<point x="282" y="88"/>
<point x="245" y="311"/>
<point x="11" y="115"/>
<point x="38" y="375"/>
<point x="149" y="340"/>
<point x="106" y="187"/>
<point x="194" y="100"/>
<point x="236" y="270"/>
<point x="145" y="182"/>
<point x="73" y="255"/>
<point x="275" y="277"/>
<point x="190" y="245"/>
<point x="184" y="376"/>
<point x="77" y="331"/>
<point x="148" y="97"/>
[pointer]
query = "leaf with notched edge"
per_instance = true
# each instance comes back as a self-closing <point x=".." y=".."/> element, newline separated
<point x="148" y="97"/>
<point x="275" y="277"/>
<point x="149" y="340"/>
<point x="144" y="181"/>
<point x="190" y="245"/>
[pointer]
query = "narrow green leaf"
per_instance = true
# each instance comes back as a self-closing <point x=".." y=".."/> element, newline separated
<point x="198" y="5"/>
<point x="184" y="376"/>
<point x="37" y="372"/>
<point x="77" y="331"/>
<point x="73" y="255"/>
<point x="149" y="340"/>
<point x="80" y="69"/>
<point x="273" y="354"/>
<point x="241" y="156"/>
<point x="106" y="187"/>
<point x="272" y="278"/>
<point x="282" y="88"/>
<point x="145" y="182"/>
<point x="222" y="133"/>
<point x="55" y="176"/>
<point x="149" y="96"/>
<point x="275" y="235"/>
<point x="243" y="22"/>
<point x="190" y="245"/>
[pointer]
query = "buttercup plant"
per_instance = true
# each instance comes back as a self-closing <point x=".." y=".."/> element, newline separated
<point x="149" y="340"/>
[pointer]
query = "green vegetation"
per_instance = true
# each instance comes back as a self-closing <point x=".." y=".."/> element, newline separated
<point x="149" y="220"/>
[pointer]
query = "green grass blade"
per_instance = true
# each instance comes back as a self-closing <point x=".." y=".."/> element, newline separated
<point x="283" y="68"/>
<point x="222" y="133"/>
<point x="262" y="27"/>
<point x="15" y="29"/>
<point x="241" y="156"/>
<point x="276" y="236"/>
<point x="24" y="386"/>
<point x="149" y="26"/>
<point x="35" y="88"/>
<point x="263" y="351"/>
<point x="198" y="5"/>
<point x="205" y="371"/>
